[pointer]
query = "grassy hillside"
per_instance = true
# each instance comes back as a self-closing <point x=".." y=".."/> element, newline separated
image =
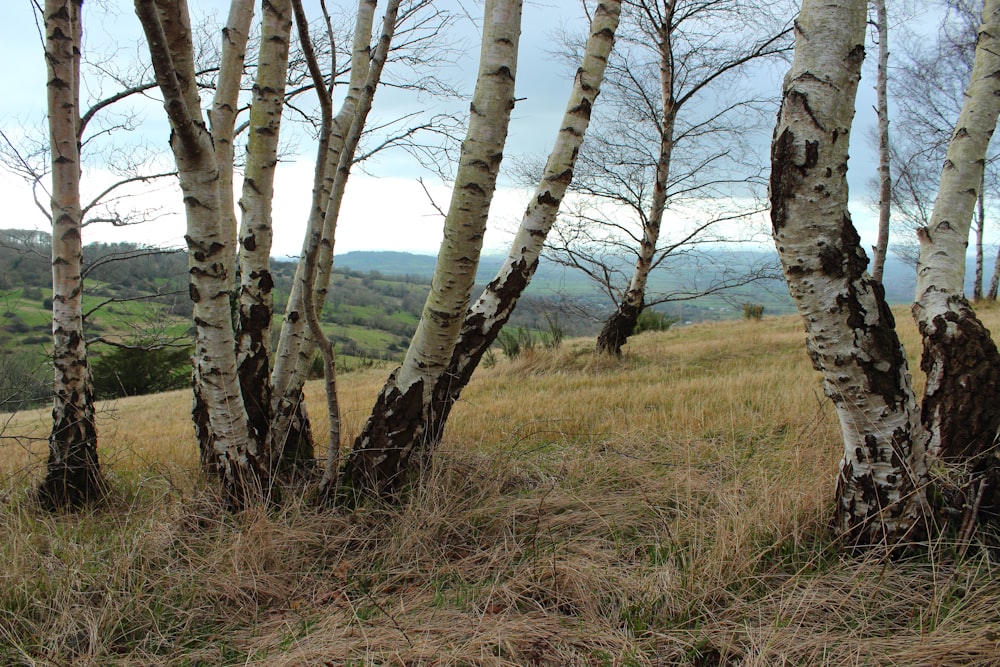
<point x="667" y="509"/>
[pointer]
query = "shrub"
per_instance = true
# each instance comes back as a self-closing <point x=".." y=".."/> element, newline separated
<point x="134" y="371"/>
<point x="512" y="343"/>
<point x="509" y="343"/>
<point x="554" y="333"/>
<point x="753" y="311"/>
<point x="653" y="320"/>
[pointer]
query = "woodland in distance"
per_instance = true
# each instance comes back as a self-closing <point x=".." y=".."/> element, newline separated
<point x="504" y="491"/>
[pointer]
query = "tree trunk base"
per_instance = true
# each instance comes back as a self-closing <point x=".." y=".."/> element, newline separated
<point x="378" y="465"/>
<point x="294" y="455"/>
<point x="961" y="411"/>
<point x="963" y="368"/>
<point x="617" y="329"/>
<point x="75" y="483"/>
<point x="247" y="484"/>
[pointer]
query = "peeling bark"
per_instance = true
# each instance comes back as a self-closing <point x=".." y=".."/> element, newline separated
<point x="382" y="454"/>
<point x="850" y="330"/>
<point x="73" y="475"/>
<point x="486" y="318"/>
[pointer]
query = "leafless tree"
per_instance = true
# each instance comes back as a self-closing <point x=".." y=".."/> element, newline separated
<point x="673" y="138"/>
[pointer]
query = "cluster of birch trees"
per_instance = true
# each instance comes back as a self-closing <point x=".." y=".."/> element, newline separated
<point x="249" y="413"/>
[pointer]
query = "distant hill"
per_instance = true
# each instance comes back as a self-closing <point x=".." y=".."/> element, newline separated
<point x="375" y="298"/>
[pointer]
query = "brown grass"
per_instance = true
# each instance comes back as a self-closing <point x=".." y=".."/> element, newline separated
<point x="667" y="509"/>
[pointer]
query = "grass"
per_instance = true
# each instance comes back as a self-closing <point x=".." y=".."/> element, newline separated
<point x="666" y="509"/>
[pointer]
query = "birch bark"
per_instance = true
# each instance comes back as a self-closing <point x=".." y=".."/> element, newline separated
<point x="382" y="454"/>
<point x="73" y="475"/>
<point x="493" y="308"/>
<point x="960" y="408"/>
<point x="850" y="329"/>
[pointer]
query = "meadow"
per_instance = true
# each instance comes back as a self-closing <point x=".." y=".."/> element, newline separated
<point x="669" y="508"/>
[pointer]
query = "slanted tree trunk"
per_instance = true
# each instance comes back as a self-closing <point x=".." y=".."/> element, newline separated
<point x="234" y="455"/>
<point x="495" y="305"/>
<point x="850" y="329"/>
<point x="291" y="430"/>
<point x="884" y="172"/>
<point x="961" y="410"/>
<point x="73" y="474"/>
<point x="255" y="301"/>
<point x="382" y="454"/>
<point x="620" y="325"/>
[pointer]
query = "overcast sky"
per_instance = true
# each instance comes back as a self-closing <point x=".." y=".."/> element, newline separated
<point x="384" y="209"/>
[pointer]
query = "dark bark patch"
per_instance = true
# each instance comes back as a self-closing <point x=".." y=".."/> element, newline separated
<point x="583" y="109"/>
<point x="380" y="460"/>
<point x="546" y="199"/>
<point x="294" y="455"/>
<point x="265" y="281"/>
<point x="474" y="340"/>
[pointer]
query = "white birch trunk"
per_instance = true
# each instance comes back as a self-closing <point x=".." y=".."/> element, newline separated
<point x="493" y="308"/>
<point x="234" y="454"/>
<point x="73" y="475"/>
<point x="319" y="255"/>
<point x="960" y="410"/>
<point x="256" y="230"/>
<point x="382" y="453"/>
<point x="222" y="120"/>
<point x="222" y="117"/>
<point x="850" y="329"/>
<point x="995" y="279"/>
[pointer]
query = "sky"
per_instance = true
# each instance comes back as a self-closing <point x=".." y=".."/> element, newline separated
<point x="386" y="206"/>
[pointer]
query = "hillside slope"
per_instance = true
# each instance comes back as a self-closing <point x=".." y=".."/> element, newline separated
<point x="667" y="509"/>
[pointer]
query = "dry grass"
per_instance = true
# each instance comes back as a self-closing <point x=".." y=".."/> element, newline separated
<point x="668" y="509"/>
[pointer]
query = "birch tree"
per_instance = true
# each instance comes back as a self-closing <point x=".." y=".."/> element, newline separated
<point x="228" y="445"/>
<point x="394" y="432"/>
<point x="850" y="330"/>
<point x="256" y="306"/>
<point x="674" y="130"/>
<point x="884" y="170"/>
<point x="73" y="476"/>
<point x="929" y="82"/>
<point x="335" y="155"/>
